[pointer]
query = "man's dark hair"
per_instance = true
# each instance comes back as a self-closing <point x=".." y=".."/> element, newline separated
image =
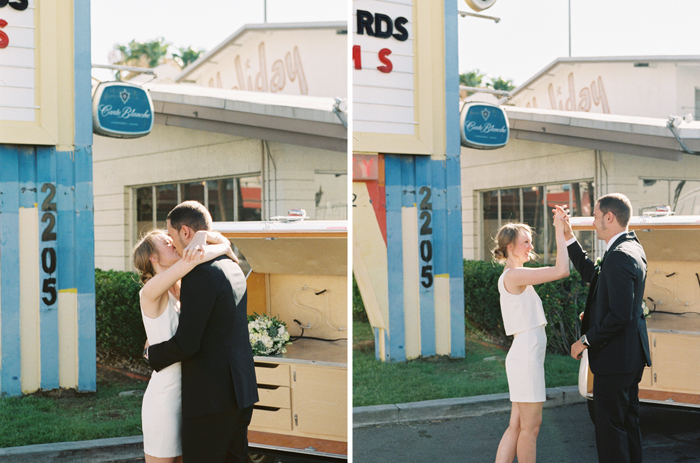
<point x="619" y="205"/>
<point x="192" y="214"/>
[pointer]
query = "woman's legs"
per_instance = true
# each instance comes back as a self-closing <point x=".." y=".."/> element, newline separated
<point x="521" y="436"/>
<point x="530" y="421"/>
<point x="150" y="459"/>
<point x="508" y="445"/>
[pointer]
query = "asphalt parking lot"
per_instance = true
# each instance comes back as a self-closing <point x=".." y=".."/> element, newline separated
<point x="669" y="435"/>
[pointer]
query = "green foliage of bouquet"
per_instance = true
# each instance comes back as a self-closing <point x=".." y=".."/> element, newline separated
<point x="268" y="336"/>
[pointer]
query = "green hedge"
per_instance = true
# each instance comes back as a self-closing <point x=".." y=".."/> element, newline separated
<point x="562" y="300"/>
<point x="358" y="307"/>
<point x="118" y="314"/>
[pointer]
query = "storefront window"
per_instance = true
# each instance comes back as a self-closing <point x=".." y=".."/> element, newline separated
<point x="557" y="195"/>
<point x="510" y="205"/>
<point x="330" y="196"/>
<point x="166" y="199"/>
<point x="582" y="203"/>
<point x="193" y="191"/>
<point x="490" y="221"/>
<point x="533" y="215"/>
<point x="682" y="196"/>
<point x="144" y="210"/>
<point x="654" y="194"/>
<point x="227" y="199"/>
<point x="220" y="199"/>
<point x="250" y="198"/>
<point x="685" y="198"/>
<point x="528" y="205"/>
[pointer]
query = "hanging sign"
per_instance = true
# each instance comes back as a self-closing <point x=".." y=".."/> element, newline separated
<point x="480" y="5"/>
<point x="483" y="126"/>
<point x="121" y="110"/>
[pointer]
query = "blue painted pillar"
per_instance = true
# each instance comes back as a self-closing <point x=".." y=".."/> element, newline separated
<point x="47" y="271"/>
<point x="424" y="226"/>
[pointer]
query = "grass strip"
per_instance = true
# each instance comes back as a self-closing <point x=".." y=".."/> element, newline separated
<point x="481" y="371"/>
<point x="66" y="417"/>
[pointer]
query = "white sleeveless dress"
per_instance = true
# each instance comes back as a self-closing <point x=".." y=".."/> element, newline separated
<point x="523" y="317"/>
<point x="161" y="412"/>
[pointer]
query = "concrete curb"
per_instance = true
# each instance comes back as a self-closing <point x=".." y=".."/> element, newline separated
<point x="123" y="449"/>
<point x="453" y="408"/>
<point x="117" y="449"/>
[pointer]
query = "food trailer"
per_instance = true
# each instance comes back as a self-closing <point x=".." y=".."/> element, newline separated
<point x="672" y="296"/>
<point x="297" y="271"/>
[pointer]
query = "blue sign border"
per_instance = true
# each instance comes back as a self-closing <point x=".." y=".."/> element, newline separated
<point x="126" y="114"/>
<point x="492" y="129"/>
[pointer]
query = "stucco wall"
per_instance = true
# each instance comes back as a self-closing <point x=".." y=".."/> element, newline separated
<point x="171" y="155"/>
<point x="289" y="181"/>
<point x="520" y="163"/>
<point x="656" y="90"/>
<point x="523" y="163"/>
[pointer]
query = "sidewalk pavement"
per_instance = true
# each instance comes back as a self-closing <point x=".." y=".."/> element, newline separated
<point x="128" y="449"/>
<point x="453" y="408"/>
<point x="115" y="450"/>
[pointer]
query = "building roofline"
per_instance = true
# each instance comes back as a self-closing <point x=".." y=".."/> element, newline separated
<point x="257" y="27"/>
<point x="299" y="120"/>
<point x="603" y="59"/>
<point x="642" y="136"/>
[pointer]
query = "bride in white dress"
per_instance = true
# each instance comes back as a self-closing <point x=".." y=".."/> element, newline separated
<point x="160" y="269"/>
<point x="524" y="318"/>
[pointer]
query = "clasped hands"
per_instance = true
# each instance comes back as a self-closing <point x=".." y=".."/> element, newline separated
<point x="561" y="217"/>
<point x="200" y="240"/>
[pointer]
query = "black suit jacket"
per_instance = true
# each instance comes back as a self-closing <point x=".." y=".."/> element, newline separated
<point x="218" y="372"/>
<point x="613" y="321"/>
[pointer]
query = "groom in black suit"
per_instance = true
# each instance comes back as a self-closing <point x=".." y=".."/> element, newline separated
<point x="218" y="373"/>
<point x="615" y="331"/>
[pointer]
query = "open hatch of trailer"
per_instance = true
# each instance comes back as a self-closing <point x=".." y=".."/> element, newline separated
<point x="672" y="296"/>
<point x="297" y="271"/>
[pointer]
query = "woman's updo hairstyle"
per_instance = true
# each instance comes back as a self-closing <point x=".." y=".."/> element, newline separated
<point x="506" y="235"/>
<point x="143" y="251"/>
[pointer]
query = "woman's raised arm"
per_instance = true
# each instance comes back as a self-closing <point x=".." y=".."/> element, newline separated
<point x="196" y="253"/>
<point x="523" y="276"/>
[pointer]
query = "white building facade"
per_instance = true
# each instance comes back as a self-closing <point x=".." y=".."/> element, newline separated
<point x="580" y="129"/>
<point x="248" y="154"/>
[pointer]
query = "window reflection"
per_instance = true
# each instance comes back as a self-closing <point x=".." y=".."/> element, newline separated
<point x="144" y="210"/>
<point x="166" y="199"/>
<point x="533" y="215"/>
<point x="533" y="205"/>
<point x="330" y="197"/>
<point x="227" y="199"/>
<point x="249" y="206"/>
<point x="490" y="221"/>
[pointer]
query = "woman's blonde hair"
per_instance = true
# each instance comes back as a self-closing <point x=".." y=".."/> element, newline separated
<point x="143" y="251"/>
<point x="506" y="235"/>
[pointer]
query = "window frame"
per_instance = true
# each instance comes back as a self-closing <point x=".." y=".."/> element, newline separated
<point x="544" y="253"/>
<point x="179" y="184"/>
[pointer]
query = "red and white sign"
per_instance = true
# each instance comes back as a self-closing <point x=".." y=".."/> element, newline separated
<point x="365" y="167"/>
<point x="17" y="61"/>
<point x="383" y="67"/>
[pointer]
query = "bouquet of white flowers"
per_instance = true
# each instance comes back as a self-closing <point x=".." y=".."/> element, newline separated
<point x="268" y="336"/>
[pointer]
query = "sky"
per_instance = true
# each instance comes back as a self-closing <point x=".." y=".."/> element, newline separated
<point x="525" y="40"/>
<point x="199" y="24"/>
<point x="530" y="35"/>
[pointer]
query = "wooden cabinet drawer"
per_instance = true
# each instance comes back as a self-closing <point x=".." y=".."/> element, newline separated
<point x="271" y="374"/>
<point x="320" y="400"/>
<point x="280" y="419"/>
<point x="675" y="363"/>
<point x="277" y="397"/>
